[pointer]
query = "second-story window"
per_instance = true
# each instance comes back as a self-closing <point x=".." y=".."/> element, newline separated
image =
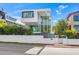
<point x="76" y="18"/>
<point x="27" y="14"/>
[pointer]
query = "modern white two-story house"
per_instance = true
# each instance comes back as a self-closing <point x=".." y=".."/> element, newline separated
<point x="38" y="19"/>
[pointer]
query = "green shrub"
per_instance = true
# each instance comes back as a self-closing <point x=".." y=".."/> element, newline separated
<point x="71" y="34"/>
<point x="15" y="30"/>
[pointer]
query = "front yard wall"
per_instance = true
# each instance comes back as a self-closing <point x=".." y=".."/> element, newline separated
<point x="37" y="39"/>
<point x="71" y="41"/>
<point x="27" y="39"/>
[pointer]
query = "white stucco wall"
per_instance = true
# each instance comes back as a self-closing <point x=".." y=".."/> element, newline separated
<point x="31" y="21"/>
<point x="27" y="39"/>
<point x="71" y="41"/>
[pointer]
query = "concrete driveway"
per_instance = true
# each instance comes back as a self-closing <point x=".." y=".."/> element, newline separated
<point x="15" y="49"/>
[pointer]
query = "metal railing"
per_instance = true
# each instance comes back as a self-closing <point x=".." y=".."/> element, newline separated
<point x="10" y="18"/>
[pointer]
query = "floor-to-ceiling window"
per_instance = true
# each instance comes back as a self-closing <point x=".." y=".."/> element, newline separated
<point x="45" y="24"/>
<point x="36" y="29"/>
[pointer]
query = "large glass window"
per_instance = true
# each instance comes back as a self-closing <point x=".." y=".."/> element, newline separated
<point x="27" y="14"/>
<point x="76" y="27"/>
<point x="76" y="18"/>
<point x="36" y="29"/>
<point x="45" y="24"/>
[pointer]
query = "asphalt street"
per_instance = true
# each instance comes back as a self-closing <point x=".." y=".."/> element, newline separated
<point x="20" y="49"/>
<point x="15" y="49"/>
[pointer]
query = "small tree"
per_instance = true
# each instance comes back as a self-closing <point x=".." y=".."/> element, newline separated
<point x="2" y="23"/>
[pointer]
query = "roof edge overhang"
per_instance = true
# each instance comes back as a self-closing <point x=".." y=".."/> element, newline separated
<point x="72" y="13"/>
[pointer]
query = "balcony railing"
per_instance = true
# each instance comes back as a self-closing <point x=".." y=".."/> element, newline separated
<point x="10" y="18"/>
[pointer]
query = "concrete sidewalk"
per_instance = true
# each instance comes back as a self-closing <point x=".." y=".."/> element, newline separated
<point x="50" y="50"/>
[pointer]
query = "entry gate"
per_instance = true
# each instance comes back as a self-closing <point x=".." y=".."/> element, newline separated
<point x="60" y="39"/>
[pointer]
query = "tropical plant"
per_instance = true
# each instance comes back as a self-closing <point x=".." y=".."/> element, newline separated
<point x="71" y="33"/>
<point x="15" y="29"/>
<point x="60" y="27"/>
<point x="2" y="23"/>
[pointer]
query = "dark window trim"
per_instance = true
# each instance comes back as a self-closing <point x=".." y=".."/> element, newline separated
<point x="77" y="26"/>
<point x="74" y="18"/>
<point x="28" y="17"/>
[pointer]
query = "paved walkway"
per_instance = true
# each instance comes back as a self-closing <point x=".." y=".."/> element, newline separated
<point x="60" y="50"/>
<point x="64" y="46"/>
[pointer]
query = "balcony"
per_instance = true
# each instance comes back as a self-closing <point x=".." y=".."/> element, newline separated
<point x="29" y="21"/>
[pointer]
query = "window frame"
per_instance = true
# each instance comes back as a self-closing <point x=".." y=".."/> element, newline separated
<point x="76" y="27"/>
<point x="76" y="18"/>
<point x="32" y="12"/>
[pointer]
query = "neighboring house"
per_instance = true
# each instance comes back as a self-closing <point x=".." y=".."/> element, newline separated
<point x="73" y="20"/>
<point x="2" y="14"/>
<point x="38" y="19"/>
<point x="10" y="20"/>
<point x="7" y="18"/>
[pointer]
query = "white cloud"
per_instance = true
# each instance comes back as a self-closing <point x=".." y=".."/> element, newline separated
<point x="60" y="8"/>
<point x="58" y="12"/>
<point x="63" y="6"/>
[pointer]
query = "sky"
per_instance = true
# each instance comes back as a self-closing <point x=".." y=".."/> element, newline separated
<point x="58" y="10"/>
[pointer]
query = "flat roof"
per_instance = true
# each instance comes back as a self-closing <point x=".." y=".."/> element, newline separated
<point x="47" y="9"/>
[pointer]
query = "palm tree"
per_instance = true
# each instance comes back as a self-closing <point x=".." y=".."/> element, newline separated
<point x="60" y="27"/>
<point x="63" y="24"/>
